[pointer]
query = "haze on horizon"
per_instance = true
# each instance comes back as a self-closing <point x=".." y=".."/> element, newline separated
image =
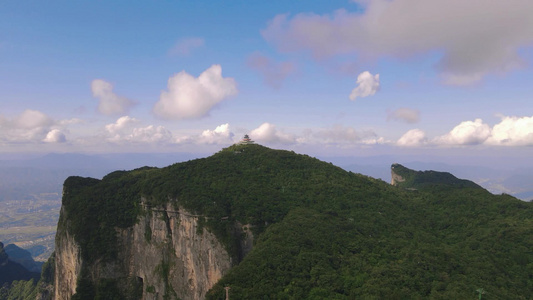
<point x="446" y="79"/>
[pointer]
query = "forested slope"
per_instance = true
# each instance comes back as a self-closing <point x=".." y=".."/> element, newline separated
<point x="321" y="232"/>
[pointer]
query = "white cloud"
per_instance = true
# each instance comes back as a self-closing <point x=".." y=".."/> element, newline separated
<point x="273" y="73"/>
<point x="150" y="134"/>
<point x="31" y="119"/>
<point x="268" y="133"/>
<point x="121" y="124"/>
<point x="367" y="85"/>
<point x="220" y="135"/>
<point x="513" y="131"/>
<point x="109" y="102"/>
<point x="29" y="126"/>
<point x="466" y="133"/>
<point x="185" y="46"/>
<point x="124" y="130"/>
<point x="475" y="37"/>
<point x="339" y="134"/>
<point x="55" y="136"/>
<point x="412" y="138"/>
<point x="189" y="97"/>
<point x="404" y="114"/>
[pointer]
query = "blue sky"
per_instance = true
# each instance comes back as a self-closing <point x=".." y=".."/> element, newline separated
<point x="320" y="77"/>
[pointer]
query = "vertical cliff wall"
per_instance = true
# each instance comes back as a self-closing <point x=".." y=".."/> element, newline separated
<point x="68" y="261"/>
<point x="166" y="254"/>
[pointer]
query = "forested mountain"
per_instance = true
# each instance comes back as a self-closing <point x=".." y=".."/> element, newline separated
<point x="318" y="232"/>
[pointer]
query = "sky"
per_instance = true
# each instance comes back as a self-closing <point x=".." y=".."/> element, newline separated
<point x="338" y="78"/>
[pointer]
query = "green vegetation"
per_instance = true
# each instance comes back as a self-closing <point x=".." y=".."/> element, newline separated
<point x="430" y="179"/>
<point x="321" y="232"/>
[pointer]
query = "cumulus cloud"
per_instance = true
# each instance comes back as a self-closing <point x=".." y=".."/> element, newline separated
<point x="124" y="130"/>
<point x="273" y="73"/>
<point x="412" y="138"/>
<point x="367" y="85"/>
<point x="185" y="46"/>
<point x="109" y="102"/>
<point x="269" y="134"/>
<point x="510" y="131"/>
<point x="404" y="114"/>
<point x="150" y="134"/>
<point x="122" y="123"/>
<point x="28" y="126"/>
<point x="189" y="97"/>
<point x="513" y="131"/>
<point x="55" y="136"/>
<point x="466" y="133"/>
<point x="221" y="134"/>
<point x="475" y="37"/>
<point x="31" y="119"/>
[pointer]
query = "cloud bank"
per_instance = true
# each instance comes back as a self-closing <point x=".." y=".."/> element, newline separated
<point x="32" y="126"/>
<point x="190" y="97"/>
<point x="510" y="131"/>
<point x="475" y="37"/>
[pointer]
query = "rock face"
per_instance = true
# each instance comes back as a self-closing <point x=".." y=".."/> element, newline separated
<point x="395" y="178"/>
<point x="68" y="262"/>
<point x="166" y="254"/>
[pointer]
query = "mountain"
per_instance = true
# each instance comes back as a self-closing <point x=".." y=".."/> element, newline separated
<point x="273" y="224"/>
<point x="11" y="271"/>
<point x="23" y="257"/>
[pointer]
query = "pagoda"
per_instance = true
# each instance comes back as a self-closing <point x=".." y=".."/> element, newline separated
<point x="246" y="140"/>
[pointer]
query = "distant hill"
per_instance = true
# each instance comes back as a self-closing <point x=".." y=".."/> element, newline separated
<point x="23" y="257"/>
<point x="11" y="271"/>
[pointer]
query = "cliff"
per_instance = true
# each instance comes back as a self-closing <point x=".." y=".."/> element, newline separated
<point x="166" y="253"/>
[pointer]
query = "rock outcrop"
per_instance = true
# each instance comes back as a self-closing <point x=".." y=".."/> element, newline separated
<point x="167" y="253"/>
<point x="395" y="177"/>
